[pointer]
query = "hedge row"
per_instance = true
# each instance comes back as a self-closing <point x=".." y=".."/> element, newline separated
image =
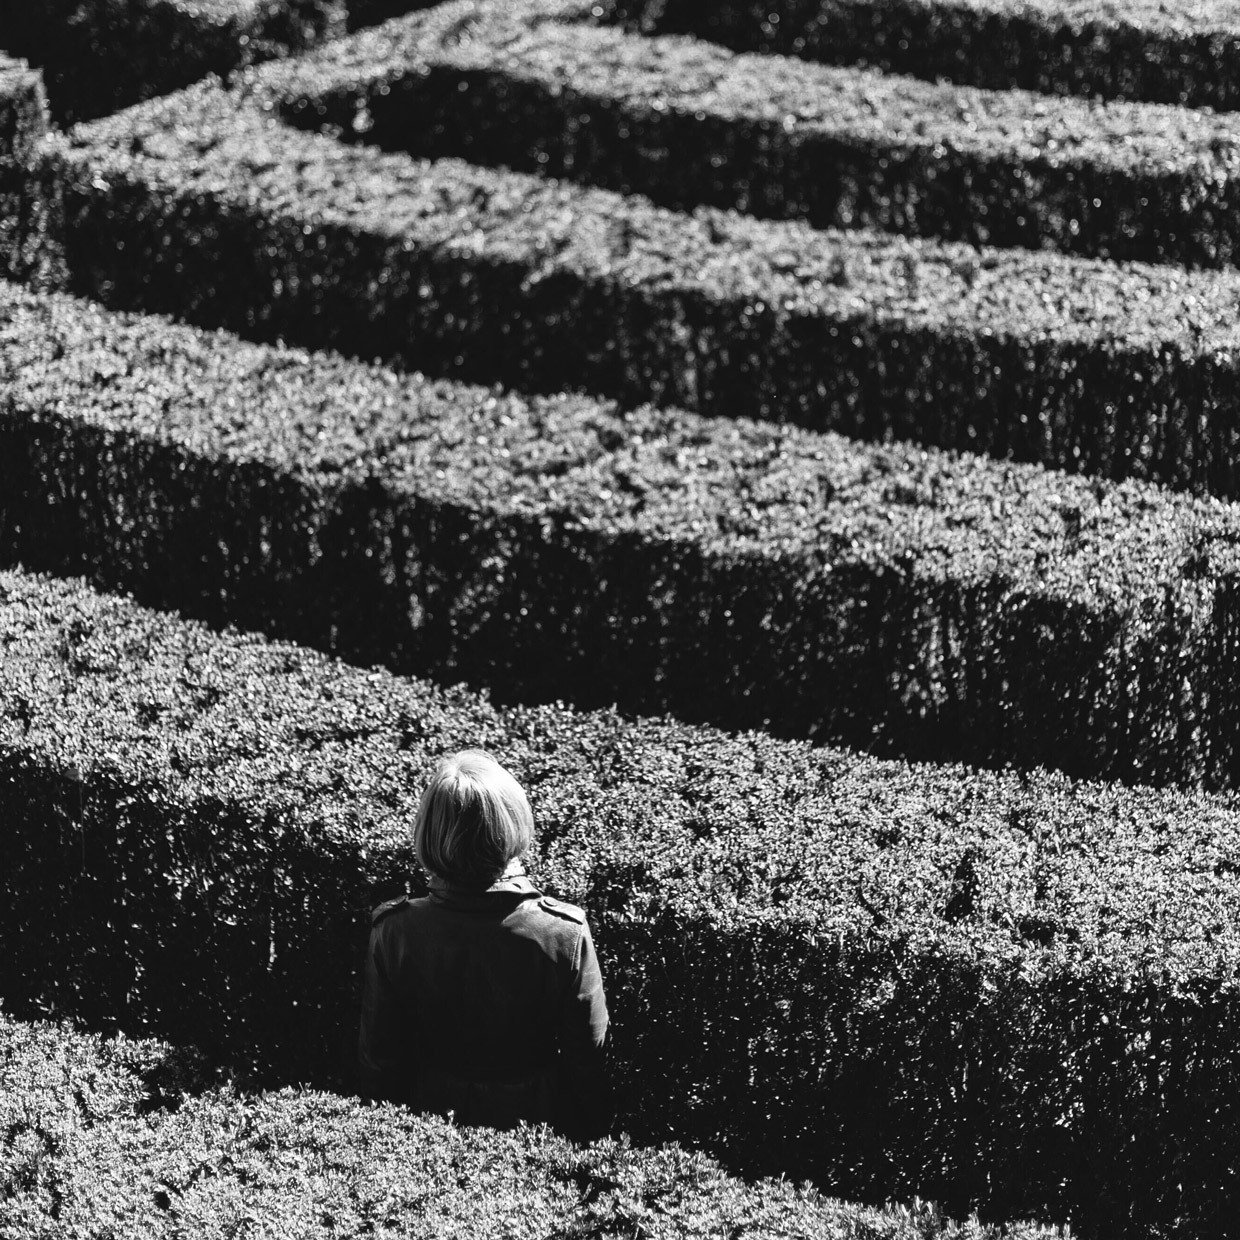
<point x="729" y="571"/>
<point x="1184" y="52"/>
<point x="371" y="12"/>
<point x="536" y="86"/>
<point x="103" y="55"/>
<point x="201" y="206"/>
<point x="1001" y="991"/>
<point x="82" y="1154"/>
<point x="29" y="224"/>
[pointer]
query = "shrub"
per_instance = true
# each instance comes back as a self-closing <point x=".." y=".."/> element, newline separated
<point x="1169" y="53"/>
<point x="103" y="55"/>
<point x="202" y="206"/>
<point x="305" y="1164"/>
<point x="29" y="218"/>
<point x="1002" y="990"/>
<point x="536" y="85"/>
<point x="732" y="572"/>
<point x="59" y="1084"/>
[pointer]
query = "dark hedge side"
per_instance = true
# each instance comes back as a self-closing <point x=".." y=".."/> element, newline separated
<point x="1001" y="990"/>
<point x="729" y="571"/>
<point x="30" y="224"/>
<point x="535" y="85"/>
<point x="201" y="206"/>
<point x="89" y="1148"/>
<point x="104" y="55"/>
<point x="371" y="12"/>
<point x="1184" y="52"/>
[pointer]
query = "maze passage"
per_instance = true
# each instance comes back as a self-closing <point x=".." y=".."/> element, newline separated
<point x="210" y="813"/>
<point x="1165" y="51"/>
<point x="101" y="56"/>
<point x="757" y="464"/>
<point x="689" y="124"/>
<point x="729" y="571"/>
<point x="206" y="206"/>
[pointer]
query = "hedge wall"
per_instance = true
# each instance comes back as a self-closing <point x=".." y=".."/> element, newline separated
<point x="200" y="206"/>
<point x="30" y="225"/>
<point x="371" y="12"/>
<point x="729" y="571"/>
<point x="1003" y="990"/>
<point x="82" y="1154"/>
<point x="689" y="124"/>
<point x="103" y="55"/>
<point x="1183" y="52"/>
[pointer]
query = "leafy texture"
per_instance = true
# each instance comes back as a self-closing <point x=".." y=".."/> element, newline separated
<point x="208" y="206"/>
<point x="730" y="571"/>
<point x="1182" y="51"/>
<point x="103" y="55"/>
<point x="1005" y="991"/>
<point x="92" y="1144"/>
<point x="29" y="221"/>
<point x="537" y="85"/>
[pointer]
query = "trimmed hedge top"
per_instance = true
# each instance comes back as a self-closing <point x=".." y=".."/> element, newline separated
<point x="1024" y="871"/>
<point x="552" y="43"/>
<point x="78" y="1154"/>
<point x="205" y="143"/>
<point x="725" y="487"/>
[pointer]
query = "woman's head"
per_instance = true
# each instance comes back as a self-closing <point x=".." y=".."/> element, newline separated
<point x="472" y="821"/>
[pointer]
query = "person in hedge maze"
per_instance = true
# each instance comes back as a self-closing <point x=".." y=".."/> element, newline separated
<point x="484" y="998"/>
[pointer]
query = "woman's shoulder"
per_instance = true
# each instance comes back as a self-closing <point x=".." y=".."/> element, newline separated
<point x="562" y="910"/>
<point x="398" y="908"/>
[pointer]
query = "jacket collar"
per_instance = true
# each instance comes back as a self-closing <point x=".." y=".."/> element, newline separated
<point x="511" y="882"/>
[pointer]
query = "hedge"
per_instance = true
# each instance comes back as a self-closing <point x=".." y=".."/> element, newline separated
<point x="103" y="55"/>
<point x="81" y="1153"/>
<point x="201" y="206"/>
<point x="534" y="85"/>
<point x="371" y="12"/>
<point x="732" y="572"/>
<point x="997" y="990"/>
<point x="58" y="1081"/>
<point x="29" y="223"/>
<point x="1184" y="52"/>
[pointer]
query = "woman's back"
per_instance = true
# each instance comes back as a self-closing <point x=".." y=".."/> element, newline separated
<point x="485" y="1000"/>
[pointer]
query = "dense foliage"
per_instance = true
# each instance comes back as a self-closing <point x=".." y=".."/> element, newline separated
<point x="102" y="55"/>
<point x="730" y="571"/>
<point x="689" y="123"/>
<point x="30" y="226"/>
<point x="1008" y="990"/>
<point x="207" y="206"/>
<point x="98" y="1138"/>
<point x="1182" y="51"/>
<point x="1000" y="989"/>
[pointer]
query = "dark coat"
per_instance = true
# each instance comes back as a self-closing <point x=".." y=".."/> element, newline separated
<point x="488" y="1004"/>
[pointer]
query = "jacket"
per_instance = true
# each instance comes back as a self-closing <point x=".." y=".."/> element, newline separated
<point x="488" y="1004"/>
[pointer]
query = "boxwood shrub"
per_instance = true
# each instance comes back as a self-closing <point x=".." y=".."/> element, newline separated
<point x="88" y="1148"/>
<point x="103" y="55"/>
<point x="998" y="990"/>
<point x="371" y="12"/>
<point x="30" y="225"/>
<point x="1182" y="53"/>
<point x="203" y="206"/>
<point x="732" y="572"/>
<point x="536" y="85"/>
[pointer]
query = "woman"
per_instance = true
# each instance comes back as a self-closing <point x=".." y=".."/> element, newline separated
<point x="485" y="998"/>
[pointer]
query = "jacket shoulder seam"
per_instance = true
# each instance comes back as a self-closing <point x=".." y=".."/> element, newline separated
<point x="388" y="906"/>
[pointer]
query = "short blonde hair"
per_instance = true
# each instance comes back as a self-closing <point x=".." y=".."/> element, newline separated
<point x="473" y="819"/>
